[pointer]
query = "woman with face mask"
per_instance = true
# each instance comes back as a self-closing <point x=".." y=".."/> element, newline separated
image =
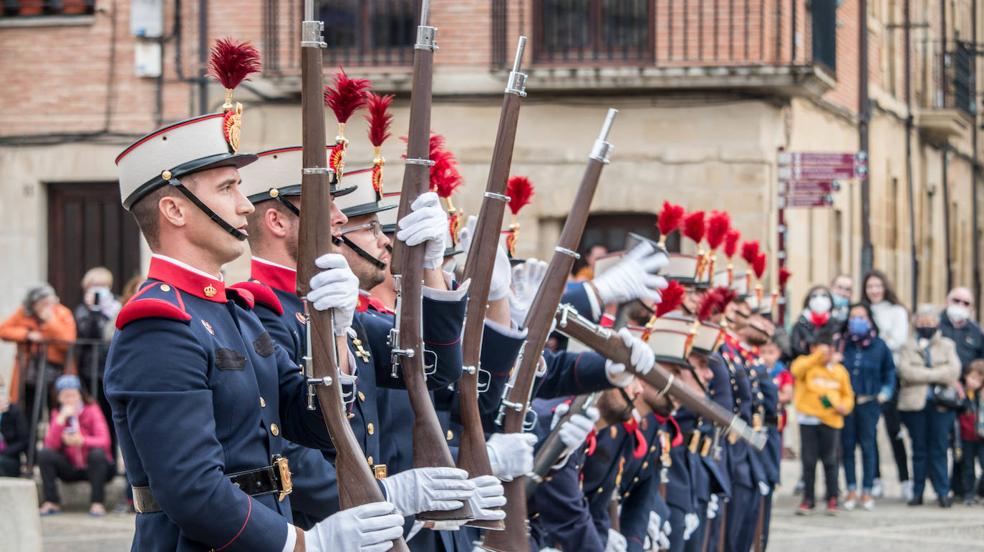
<point x="817" y="315"/>
<point x="928" y="397"/>
<point x="869" y="362"/>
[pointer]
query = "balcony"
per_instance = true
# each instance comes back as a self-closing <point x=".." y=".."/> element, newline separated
<point x="946" y="110"/>
<point x="776" y="46"/>
<point x="32" y="8"/>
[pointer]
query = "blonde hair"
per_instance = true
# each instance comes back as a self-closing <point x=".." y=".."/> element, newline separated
<point x="97" y="274"/>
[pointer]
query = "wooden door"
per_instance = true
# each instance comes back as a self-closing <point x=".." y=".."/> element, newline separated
<point x="88" y="227"/>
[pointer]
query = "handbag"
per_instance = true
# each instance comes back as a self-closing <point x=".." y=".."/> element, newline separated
<point x="944" y="396"/>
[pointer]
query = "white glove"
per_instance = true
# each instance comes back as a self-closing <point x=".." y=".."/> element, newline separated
<point x="712" y="507"/>
<point x="428" y="489"/>
<point x="633" y="277"/>
<point x="653" y="527"/>
<point x="489" y="495"/>
<point x="764" y="488"/>
<point x="642" y="358"/>
<point x="501" y="270"/>
<point x="616" y="542"/>
<point x="336" y="287"/>
<point x="690" y="524"/>
<point x="465" y="234"/>
<point x="511" y="454"/>
<point x="576" y="430"/>
<point x="526" y="279"/>
<point x="366" y="528"/>
<point x="427" y="222"/>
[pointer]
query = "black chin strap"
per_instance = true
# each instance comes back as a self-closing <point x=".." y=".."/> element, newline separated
<point x="205" y="209"/>
<point x="361" y="252"/>
<point x="290" y="206"/>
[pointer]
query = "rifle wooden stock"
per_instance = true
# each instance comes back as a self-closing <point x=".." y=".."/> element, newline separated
<point x="609" y="345"/>
<point x="356" y="484"/>
<point x="553" y="448"/>
<point x="430" y="449"/>
<point x="723" y="527"/>
<point x="472" y="456"/>
<point x="538" y="322"/>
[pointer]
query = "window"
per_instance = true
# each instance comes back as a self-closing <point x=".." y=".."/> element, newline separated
<point x="27" y="8"/>
<point x="370" y="32"/>
<point x="577" y="30"/>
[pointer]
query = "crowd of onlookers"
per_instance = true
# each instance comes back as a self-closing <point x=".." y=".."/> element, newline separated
<point x="54" y="390"/>
<point x="854" y="360"/>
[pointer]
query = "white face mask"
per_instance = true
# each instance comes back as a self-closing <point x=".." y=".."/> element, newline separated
<point x="957" y="313"/>
<point x="820" y="304"/>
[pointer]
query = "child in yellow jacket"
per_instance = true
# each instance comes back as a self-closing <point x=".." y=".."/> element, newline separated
<point x="822" y="396"/>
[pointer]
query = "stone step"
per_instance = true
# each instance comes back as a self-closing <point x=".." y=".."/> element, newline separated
<point x="75" y="496"/>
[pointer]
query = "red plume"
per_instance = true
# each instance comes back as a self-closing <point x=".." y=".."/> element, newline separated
<point x="694" y="227"/>
<point x="444" y="175"/>
<point x="669" y="218"/>
<point x="717" y="229"/>
<point x="232" y="62"/>
<point x="759" y="265"/>
<point x="672" y="298"/>
<point x="347" y="96"/>
<point x="749" y="251"/>
<point x="379" y="118"/>
<point x="731" y="243"/>
<point x="520" y="191"/>
<point x="714" y="302"/>
<point x="784" y="275"/>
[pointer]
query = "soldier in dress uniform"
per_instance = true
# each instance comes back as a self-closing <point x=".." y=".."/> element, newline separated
<point x="202" y="396"/>
<point x="271" y="185"/>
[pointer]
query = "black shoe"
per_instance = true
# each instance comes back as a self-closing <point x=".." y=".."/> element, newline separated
<point x="944" y="501"/>
<point x="915" y="501"/>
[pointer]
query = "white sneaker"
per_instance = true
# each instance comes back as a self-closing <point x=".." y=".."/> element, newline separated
<point x="867" y="503"/>
<point x="850" y="501"/>
<point x="877" y="491"/>
<point x="907" y="492"/>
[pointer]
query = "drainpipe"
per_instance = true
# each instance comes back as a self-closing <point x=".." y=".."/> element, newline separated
<point x="864" y="119"/>
<point x="909" y="127"/>
<point x="202" y="57"/>
<point x="975" y="238"/>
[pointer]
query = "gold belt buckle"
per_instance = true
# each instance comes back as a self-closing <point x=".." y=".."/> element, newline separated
<point x="379" y="471"/>
<point x="283" y="468"/>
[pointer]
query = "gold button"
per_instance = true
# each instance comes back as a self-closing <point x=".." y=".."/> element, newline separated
<point x="600" y="490"/>
<point x="369" y="459"/>
<point x="274" y="429"/>
<point x="262" y="402"/>
<point x="652" y="448"/>
<point x="165" y="287"/>
<point x="370" y="428"/>
<point x="635" y="479"/>
<point x="362" y="396"/>
<point x="645" y="464"/>
<point x="450" y="435"/>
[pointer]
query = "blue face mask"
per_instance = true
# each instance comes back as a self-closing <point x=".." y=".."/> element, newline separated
<point x="840" y="302"/>
<point x="858" y="326"/>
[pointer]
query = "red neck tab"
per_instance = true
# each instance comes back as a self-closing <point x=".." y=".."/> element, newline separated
<point x="277" y="277"/>
<point x="187" y="281"/>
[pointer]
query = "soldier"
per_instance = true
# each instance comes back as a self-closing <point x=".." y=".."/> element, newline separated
<point x="189" y="352"/>
<point x="270" y="185"/>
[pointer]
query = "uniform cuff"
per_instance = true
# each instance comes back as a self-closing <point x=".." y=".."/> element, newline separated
<point x="514" y="333"/>
<point x="448" y="295"/>
<point x="291" y="539"/>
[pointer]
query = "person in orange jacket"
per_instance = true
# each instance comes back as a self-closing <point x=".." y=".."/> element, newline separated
<point x="40" y="324"/>
<point x="822" y="396"/>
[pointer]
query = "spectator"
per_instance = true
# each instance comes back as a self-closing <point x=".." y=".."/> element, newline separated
<point x="13" y="435"/>
<point x="822" y="397"/>
<point x="893" y="328"/>
<point x="95" y="318"/>
<point x="929" y="369"/>
<point x="76" y="447"/>
<point x="842" y="289"/>
<point x="956" y="324"/>
<point x="815" y="317"/>
<point x="972" y="431"/>
<point x="39" y="319"/>
<point x="869" y="361"/>
<point x="586" y="271"/>
<point x="771" y="355"/>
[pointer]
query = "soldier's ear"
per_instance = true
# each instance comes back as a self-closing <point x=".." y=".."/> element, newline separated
<point x="173" y="210"/>
<point x="276" y="222"/>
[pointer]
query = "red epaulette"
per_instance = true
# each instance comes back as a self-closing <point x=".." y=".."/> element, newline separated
<point x="170" y="305"/>
<point x="262" y="294"/>
<point x="243" y="297"/>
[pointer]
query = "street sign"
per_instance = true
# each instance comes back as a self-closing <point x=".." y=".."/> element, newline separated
<point x="811" y="186"/>
<point x="820" y="173"/>
<point x="823" y="200"/>
<point x="821" y="159"/>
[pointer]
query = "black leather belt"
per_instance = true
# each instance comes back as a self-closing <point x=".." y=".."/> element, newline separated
<point x="274" y="478"/>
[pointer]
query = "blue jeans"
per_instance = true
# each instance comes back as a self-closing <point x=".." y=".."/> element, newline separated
<point x="929" y="430"/>
<point x="860" y="428"/>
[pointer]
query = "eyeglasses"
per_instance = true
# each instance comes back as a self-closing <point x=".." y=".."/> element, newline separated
<point x="374" y="226"/>
<point x="959" y="301"/>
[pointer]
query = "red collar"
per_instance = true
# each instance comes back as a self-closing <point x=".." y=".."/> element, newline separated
<point x="367" y="302"/>
<point x="277" y="277"/>
<point x="632" y="426"/>
<point x="187" y="281"/>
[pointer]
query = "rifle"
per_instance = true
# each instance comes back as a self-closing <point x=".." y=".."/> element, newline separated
<point x="759" y="526"/>
<point x="472" y="456"/>
<point x="609" y="345"/>
<point x="553" y="448"/>
<point x="430" y="449"/>
<point x="356" y="484"/>
<point x="723" y="531"/>
<point x="512" y="413"/>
